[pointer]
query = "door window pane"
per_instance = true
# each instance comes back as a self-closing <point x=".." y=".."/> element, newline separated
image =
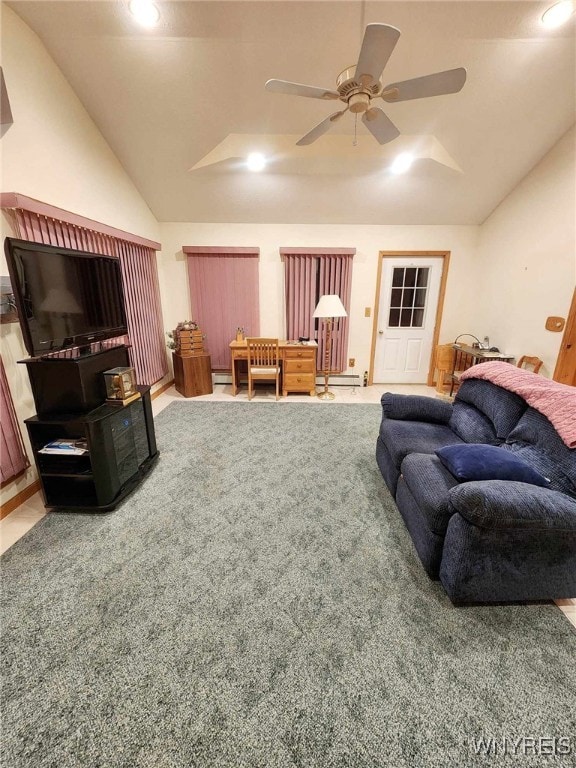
<point x="394" y="318"/>
<point x="422" y="280"/>
<point x="408" y="297"/>
<point x="418" y="318"/>
<point x="410" y="277"/>
<point x="398" y="277"/>
<point x="420" y="297"/>
<point x="406" y="318"/>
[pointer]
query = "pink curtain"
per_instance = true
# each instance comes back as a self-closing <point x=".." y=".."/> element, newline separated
<point x="336" y="277"/>
<point x="13" y="459"/>
<point x="301" y="274"/>
<point x="224" y="296"/>
<point x="141" y="289"/>
<point x="143" y="311"/>
<point x="309" y="274"/>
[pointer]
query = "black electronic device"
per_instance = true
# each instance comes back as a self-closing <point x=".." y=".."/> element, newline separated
<point x="120" y="451"/>
<point x="65" y="297"/>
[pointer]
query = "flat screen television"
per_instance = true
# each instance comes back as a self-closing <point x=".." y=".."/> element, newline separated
<point x="65" y="298"/>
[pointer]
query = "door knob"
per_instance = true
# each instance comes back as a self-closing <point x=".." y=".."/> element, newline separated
<point x="380" y="332"/>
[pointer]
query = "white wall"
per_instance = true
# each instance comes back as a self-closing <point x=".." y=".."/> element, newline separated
<point x="368" y="241"/>
<point x="527" y="259"/>
<point x="54" y="153"/>
<point x="506" y="276"/>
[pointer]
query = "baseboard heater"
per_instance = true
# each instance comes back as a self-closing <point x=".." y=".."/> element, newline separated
<point x="336" y="380"/>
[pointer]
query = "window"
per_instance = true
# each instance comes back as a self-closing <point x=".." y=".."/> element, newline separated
<point x="224" y="296"/>
<point x="408" y="296"/>
<point x="309" y="274"/>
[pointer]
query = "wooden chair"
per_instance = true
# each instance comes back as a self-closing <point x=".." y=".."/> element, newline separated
<point x="444" y="362"/>
<point x="263" y="362"/>
<point x="530" y="363"/>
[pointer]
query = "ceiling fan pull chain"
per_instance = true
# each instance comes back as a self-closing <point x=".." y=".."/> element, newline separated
<point x="355" y="142"/>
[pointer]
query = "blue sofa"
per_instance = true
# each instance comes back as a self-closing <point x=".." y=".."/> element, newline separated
<point x="487" y="540"/>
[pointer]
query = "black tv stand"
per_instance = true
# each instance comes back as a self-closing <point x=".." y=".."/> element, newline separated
<point x="72" y="384"/>
<point x="121" y="441"/>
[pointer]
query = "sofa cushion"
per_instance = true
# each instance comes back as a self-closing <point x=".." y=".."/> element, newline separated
<point x="474" y="461"/>
<point x="430" y="483"/>
<point x="404" y="437"/>
<point x="501" y="408"/>
<point x="471" y="425"/>
<point x="536" y="441"/>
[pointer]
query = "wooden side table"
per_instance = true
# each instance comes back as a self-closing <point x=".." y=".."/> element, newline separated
<point x="192" y="374"/>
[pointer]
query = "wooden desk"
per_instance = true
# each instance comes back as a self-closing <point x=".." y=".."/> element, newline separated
<point x="465" y="357"/>
<point x="298" y="363"/>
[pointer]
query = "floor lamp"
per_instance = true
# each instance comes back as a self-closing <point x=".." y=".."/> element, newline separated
<point x="328" y="308"/>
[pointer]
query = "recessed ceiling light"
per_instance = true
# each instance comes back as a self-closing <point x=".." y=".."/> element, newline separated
<point x="402" y="163"/>
<point x="256" y="161"/>
<point x="558" y="14"/>
<point x="145" y="12"/>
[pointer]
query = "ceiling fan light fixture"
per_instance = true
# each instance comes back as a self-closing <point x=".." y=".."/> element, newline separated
<point x="558" y="14"/>
<point x="256" y="162"/>
<point x="359" y="102"/>
<point x="145" y="12"/>
<point x="402" y="163"/>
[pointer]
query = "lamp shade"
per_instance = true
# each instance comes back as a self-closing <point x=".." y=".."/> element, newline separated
<point x="330" y="306"/>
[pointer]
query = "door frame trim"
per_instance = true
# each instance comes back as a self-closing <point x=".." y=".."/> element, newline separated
<point x="562" y="361"/>
<point x="445" y="256"/>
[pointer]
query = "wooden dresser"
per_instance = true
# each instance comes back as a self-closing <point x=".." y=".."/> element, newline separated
<point x="298" y="366"/>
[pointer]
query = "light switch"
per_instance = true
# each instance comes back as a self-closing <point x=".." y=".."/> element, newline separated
<point x="367" y="311"/>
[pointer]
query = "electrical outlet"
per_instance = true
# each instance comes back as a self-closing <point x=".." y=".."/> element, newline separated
<point x="351" y="362"/>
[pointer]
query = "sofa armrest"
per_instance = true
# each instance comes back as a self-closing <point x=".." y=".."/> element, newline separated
<point x="416" y="408"/>
<point x="505" y="504"/>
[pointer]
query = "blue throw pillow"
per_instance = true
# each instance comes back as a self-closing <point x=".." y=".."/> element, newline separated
<point x="475" y="461"/>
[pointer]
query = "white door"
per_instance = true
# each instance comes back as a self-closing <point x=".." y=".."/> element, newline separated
<point x="406" y="318"/>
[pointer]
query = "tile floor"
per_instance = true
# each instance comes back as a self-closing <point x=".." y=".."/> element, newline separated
<point x="22" y="519"/>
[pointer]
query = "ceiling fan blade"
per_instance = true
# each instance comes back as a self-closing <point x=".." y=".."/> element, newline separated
<point x="379" y="125"/>
<point x="297" y="89"/>
<point x="320" y="129"/>
<point x="438" y="84"/>
<point x="377" y="46"/>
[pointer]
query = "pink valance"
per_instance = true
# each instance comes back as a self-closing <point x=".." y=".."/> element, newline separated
<point x="217" y="250"/>
<point x="44" y="211"/>
<point x="317" y="251"/>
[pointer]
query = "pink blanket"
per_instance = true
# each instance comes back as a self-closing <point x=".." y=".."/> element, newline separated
<point x="556" y="401"/>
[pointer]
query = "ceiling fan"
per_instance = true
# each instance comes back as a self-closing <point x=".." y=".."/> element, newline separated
<point x="359" y="86"/>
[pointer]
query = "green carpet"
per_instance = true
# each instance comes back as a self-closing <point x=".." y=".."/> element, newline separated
<point x="257" y="602"/>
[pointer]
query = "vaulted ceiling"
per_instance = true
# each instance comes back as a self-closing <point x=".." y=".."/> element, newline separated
<point x="181" y="104"/>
